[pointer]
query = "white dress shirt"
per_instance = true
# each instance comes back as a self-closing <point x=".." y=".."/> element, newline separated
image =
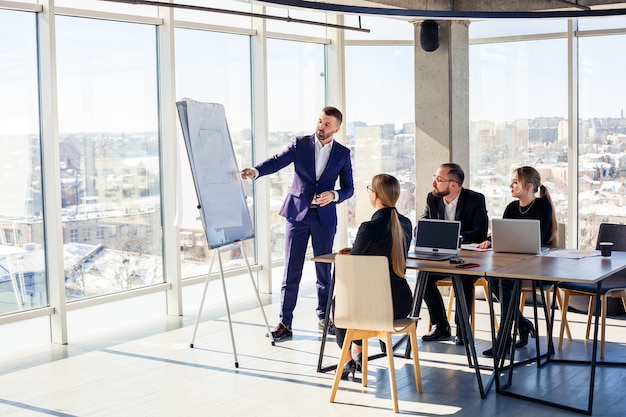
<point x="451" y="208"/>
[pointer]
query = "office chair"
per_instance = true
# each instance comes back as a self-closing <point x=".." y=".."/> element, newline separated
<point x="363" y="306"/>
<point x="613" y="286"/>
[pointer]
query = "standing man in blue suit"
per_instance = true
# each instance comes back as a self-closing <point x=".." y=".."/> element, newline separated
<point x="309" y="208"/>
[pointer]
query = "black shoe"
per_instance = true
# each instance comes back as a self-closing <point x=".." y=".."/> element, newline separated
<point x="489" y="352"/>
<point x="348" y="368"/>
<point x="331" y="327"/>
<point x="281" y="331"/>
<point x="525" y="328"/>
<point x="436" y="334"/>
<point x="458" y="340"/>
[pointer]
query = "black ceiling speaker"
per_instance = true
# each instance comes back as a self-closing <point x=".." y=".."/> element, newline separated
<point x="429" y="35"/>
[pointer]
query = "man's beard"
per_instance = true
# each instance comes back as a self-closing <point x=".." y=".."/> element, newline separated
<point x="438" y="193"/>
<point x="323" y="138"/>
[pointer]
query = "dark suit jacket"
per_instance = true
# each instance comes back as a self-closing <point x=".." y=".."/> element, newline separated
<point x="305" y="186"/>
<point x="374" y="237"/>
<point x="471" y="211"/>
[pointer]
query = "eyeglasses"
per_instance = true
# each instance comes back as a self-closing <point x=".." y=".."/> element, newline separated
<point x="439" y="179"/>
<point x="369" y="188"/>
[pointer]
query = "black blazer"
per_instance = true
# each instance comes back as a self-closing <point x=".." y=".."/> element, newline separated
<point x="471" y="211"/>
<point x="374" y="237"/>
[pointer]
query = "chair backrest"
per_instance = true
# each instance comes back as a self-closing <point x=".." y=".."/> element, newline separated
<point x="616" y="233"/>
<point x="611" y="232"/>
<point x="363" y="293"/>
<point x="561" y="233"/>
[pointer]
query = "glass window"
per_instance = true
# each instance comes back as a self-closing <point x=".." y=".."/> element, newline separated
<point x="296" y="85"/>
<point x="602" y="135"/>
<point x="22" y="258"/>
<point x="109" y="154"/>
<point x="294" y="28"/>
<point x="381" y="28"/>
<point x="222" y="19"/>
<point x="381" y="136"/>
<point x="598" y="23"/>
<point x="213" y="67"/>
<point x="518" y="116"/>
<point x="110" y="7"/>
<point x="515" y="27"/>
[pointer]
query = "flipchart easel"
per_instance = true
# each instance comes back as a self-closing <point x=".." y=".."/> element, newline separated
<point x="215" y="173"/>
<point x="217" y="252"/>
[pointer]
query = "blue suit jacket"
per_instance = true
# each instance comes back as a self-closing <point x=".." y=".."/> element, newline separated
<point x="304" y="187"/>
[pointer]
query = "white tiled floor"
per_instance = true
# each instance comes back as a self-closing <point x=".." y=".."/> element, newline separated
<point x="143" y="366"/>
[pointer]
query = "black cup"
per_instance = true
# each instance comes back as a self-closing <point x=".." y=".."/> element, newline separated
<point x="606" y="248"/>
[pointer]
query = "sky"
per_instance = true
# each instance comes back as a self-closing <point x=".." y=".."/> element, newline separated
<point x="108" y="82"/>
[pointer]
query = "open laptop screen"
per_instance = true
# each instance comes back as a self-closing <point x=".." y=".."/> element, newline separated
<point x="437" y="236"/>
<point x="517" y="236"/>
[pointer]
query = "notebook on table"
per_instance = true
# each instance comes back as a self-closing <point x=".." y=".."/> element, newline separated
<point x="517" y="236"/>
<point x="436" y="240"/>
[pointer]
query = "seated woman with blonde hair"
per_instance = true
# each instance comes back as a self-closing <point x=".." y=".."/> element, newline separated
<point x="525" y="184"/>
<point x="388" y="234"/>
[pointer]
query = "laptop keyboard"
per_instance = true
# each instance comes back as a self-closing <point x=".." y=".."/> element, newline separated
<point x="431" y="256"/>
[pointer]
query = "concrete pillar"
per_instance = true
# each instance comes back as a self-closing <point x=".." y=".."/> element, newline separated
<point x="441" y="104"/>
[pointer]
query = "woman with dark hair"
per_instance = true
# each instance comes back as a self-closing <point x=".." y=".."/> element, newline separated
<point x="388" y="234"/>
<point x="525" y="183"/>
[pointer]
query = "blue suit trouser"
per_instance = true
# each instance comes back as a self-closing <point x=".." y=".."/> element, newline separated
<point x="297" y="236"/>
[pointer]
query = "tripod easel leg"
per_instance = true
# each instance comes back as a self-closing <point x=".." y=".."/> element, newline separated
<point x="218" y="252"/>
<point x="258" y="298"/>
<point x="206" y="285"/>
<point x="230" y="323"/>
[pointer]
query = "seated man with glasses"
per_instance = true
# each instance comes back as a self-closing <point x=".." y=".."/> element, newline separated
<point x="450" y="201"/>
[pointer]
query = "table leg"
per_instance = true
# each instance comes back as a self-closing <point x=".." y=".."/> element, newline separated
<point x="418" y="298"/>
<point x="502" y="389"/>
<point x="331" y="292"/>
<point x="466" y="332"/>
<point x="506" y="332"/>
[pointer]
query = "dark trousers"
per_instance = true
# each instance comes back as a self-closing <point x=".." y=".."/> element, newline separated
<point x="502" y="289"/>
<point x="434" y="301"/>
<point x="297" y="236"/>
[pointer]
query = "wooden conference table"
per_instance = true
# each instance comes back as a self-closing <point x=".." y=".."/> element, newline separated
<point x="591" y="270"/>
<point x="487" y="261"/>
<point x="588" y="270"/>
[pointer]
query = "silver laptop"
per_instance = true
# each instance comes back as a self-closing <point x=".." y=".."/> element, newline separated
<point x="436" y="239"/>
<point x="517" y="236"/>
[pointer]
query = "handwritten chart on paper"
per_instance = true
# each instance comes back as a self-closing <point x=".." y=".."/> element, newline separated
<point x="215" y="173"/>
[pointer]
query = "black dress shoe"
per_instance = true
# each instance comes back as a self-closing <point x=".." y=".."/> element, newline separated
<point x="489" y="352"/>
<point x="281" y="331"/>
<point x="436" y="334"/>
<point x="458" y="340"/>
<point x="329" y="330"/>
<point x="525" y="329"/>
